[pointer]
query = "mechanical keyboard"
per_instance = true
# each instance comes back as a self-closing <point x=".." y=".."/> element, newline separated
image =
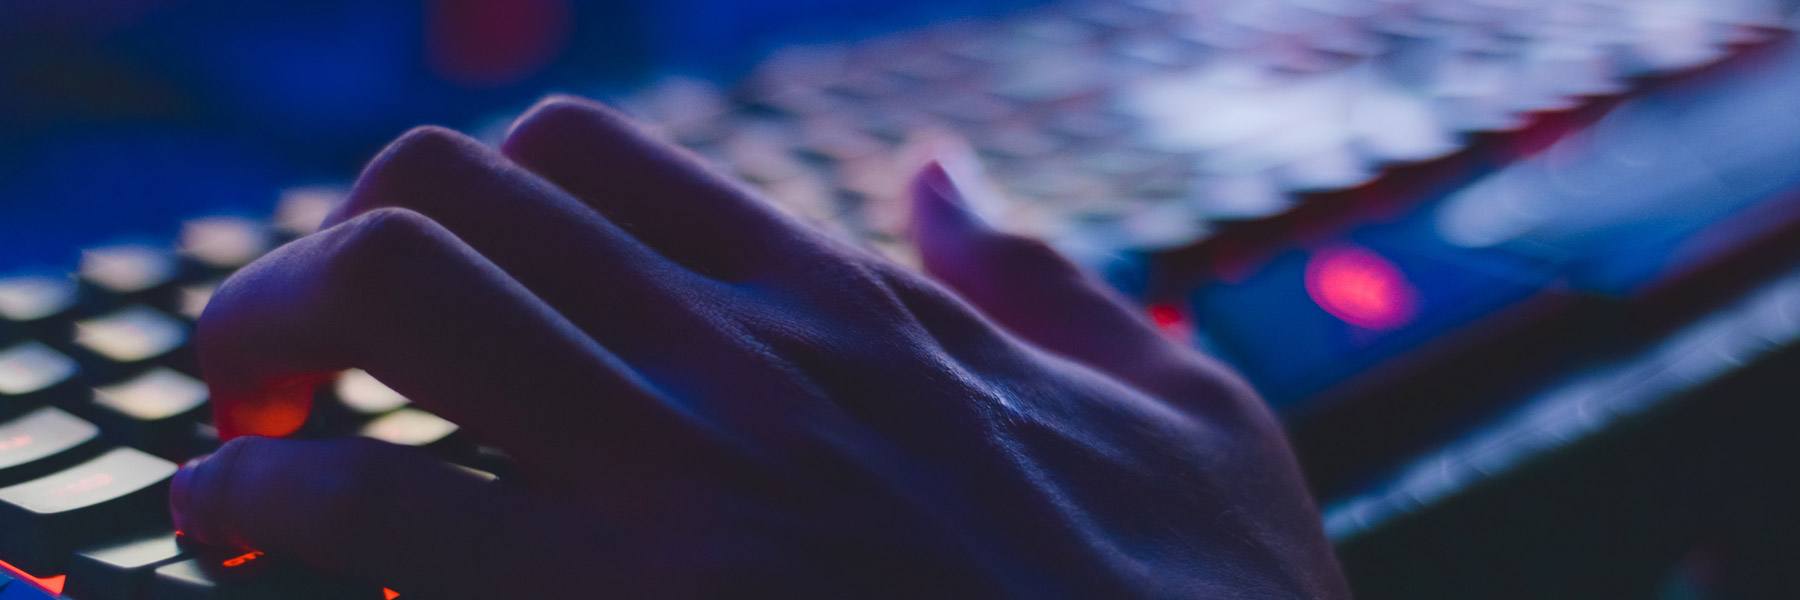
<point x="102" y="400"/>
<point x="1353" y="173"/>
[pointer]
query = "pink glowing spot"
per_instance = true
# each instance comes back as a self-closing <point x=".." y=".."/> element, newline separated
<point x="1172" y="322"/>
<point x="1361" y="288"/>
<point x="486" y="43"/>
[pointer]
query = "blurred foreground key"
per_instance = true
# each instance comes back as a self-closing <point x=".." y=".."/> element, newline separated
<point x="249" y="575"/>
<point x="43" y="520"/>
<point x="123" y="570"/>
<point x="35" y="305"/>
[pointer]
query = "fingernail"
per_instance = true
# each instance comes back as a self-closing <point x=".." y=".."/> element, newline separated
<point x="936" y="180"/>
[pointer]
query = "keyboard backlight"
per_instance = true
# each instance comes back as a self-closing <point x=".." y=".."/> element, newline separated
<point x="52" y="584"/>
<point x="241" y="559"/>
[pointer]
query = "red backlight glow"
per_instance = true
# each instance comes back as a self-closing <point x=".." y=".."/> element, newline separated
<point x="1361" y="288"/>
<point x="52" y="584"/>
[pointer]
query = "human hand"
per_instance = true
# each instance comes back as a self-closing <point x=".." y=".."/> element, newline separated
<point x="704" y="398"/>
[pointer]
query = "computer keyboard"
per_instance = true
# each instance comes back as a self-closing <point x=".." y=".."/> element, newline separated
<point x="1150" y="137"/>
<point x="100" y="400"/>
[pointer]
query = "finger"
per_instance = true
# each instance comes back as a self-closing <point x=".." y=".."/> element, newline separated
<point x="661" y="194"/>
<point x="577" y="261"/>
<point x="658" y="317"/>
<point x="395" y="294"/>
<point x="1034" y="292"/>
<point x="376" y="512"/>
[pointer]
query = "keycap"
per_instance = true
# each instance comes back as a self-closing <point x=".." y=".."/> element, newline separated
<point x="364" y="395"/>
<point x="412" y="427"/>
<point x="44" y="520"/>
<point x="126" y="340"/>
<point x="43" y="441"/>
<point x="120" y="570"/>
<point x="131" y="270"/>
<point x="249" y="575"/>
<point x="224" y="243"/>
<point x="303" y="208"/>
<point x="32" y="374"/>
<point x="30" y="304"/>
<point x="155" y="410"/>
<point x="191" y="300"/>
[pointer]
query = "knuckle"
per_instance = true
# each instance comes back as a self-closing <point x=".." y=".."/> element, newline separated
<point x="557" y="115"/>
<point x="410" y="161"/>
<point x="425" y="142"/>
<point x="410" y="171"/>
<point x="379" y="238"/>
<point x="554" y="111"/>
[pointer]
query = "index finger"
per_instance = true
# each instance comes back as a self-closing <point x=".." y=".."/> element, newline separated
<point x="396" y="295"/>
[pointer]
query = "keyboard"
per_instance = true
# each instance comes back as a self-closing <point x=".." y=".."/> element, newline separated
<point x="1155" y="125"/>
<point x="1246" y="166"/>
<point x="101" y="399"/>
<point x="1409" y="187"/>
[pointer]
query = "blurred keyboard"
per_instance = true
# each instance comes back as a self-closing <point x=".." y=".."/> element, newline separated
<point x="1151" y="124"/>
<point x="1340" y="197"/>
<point x="1318" y="170"/>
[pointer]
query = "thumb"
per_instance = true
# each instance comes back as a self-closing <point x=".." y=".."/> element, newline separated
<point x="1034" y="292"/>
<point x="376" y="512"/>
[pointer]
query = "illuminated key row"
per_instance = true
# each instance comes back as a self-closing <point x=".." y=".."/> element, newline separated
<point x="100" y="399"/>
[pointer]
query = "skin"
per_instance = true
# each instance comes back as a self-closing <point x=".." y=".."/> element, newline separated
<point x="705" y="398"/>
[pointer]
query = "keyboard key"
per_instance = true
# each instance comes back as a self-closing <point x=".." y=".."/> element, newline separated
<point x="155" y="410"/>
<point x="120" y="342"/>
<point x="41" y="442"/>
<point x="302" y="209"/>
<point x="249" y="575"/>
<point x="32" y="374"/>
<point x="364" y="395"/>
<point x="120" y="571"/>
<point x="412" y="427"/>
<point x="28" y="303"/>
<point x="224" y="243"/>
<point x="43" y="520"/>
<point x="192" y="299"/>
<point x="129" y="269"/>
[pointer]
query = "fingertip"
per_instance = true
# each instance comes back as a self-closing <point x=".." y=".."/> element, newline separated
<point x="272" y="409"/>
<point x="181" y="495"/>
<point x="190" y="507"/>
<point x="552" y="118"/>
<point x="939" y="202"/>
<point x="414" y="156"/>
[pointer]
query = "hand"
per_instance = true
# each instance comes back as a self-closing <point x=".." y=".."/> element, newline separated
<point x="705" y="398"/>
